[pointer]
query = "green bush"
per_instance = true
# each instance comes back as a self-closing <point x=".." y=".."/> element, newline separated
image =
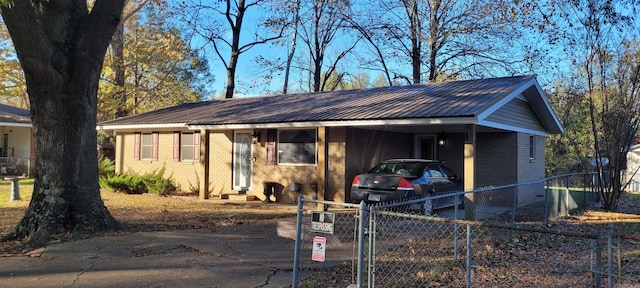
<point x="125" y="183"/>
<point x="157" y="184"/>
<point x="154" y="183"/>
<point x="106" y="167"/>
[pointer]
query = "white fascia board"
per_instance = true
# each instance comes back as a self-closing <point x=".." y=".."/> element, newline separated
<point x="12" y="124"/>
<point x="502" y="126"/>
<point x="554" y="119"/>
<point x="143" y="126"/>
<point x="352" y="123"/>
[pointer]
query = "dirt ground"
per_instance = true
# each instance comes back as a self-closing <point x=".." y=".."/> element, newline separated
<point x="145" y="213"/>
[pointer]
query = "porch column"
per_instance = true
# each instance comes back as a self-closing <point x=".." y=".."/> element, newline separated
<point x="469" y="170"/>
<point x="204" y="164"/>
<point x="322" y="145"/>
<point x="119" y="149"/>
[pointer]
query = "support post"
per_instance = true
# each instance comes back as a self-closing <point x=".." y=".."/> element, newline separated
<point x="469" y="171"/>
<point x="322" y="158"/>
<point x="204" y="165"/>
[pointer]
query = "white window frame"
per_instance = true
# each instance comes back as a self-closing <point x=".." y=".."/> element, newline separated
<point x="144" y="145"/>
<point x="532" y="147"/>
<point x="187" y="147"/>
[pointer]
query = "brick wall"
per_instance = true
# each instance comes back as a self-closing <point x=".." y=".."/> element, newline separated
<point x="185" y="175"/>
<point x="496" y="165"/>
<point x="285" y="175"/>
<point x="530" y="169"/>
<point x="220" y="163"/>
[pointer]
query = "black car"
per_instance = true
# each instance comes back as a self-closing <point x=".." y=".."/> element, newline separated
<point x="399" y="179"/>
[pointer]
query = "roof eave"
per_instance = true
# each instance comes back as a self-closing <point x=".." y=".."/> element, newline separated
<point x="14" y="124"/>
<point x="344" y="123"/>
<point x="142" y="126"/>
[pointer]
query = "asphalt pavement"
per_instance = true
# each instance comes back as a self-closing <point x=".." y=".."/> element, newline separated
<point x="247" y="255"/>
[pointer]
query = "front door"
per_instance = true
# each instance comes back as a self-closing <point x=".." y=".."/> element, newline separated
<point x="242" y="164"/>
<point x="425" y="147"/>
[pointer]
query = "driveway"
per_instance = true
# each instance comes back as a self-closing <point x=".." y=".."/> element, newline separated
<point x="247" y="255"/>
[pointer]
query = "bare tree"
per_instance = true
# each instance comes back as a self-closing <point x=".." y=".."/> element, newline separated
<point x="448" y="37"/>
<point x="326" y="22"/>
<point x="61" y="47"/>
<point x="213" y="19"/>
<point x="292" y="49"/>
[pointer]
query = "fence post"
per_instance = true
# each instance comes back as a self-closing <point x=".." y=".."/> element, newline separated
<point x="296" y="253"/>
<point x="363" y="218"/>
<point x="456" y="237"/>
<point x="599" y="260"/>
<point x="610" y="255"/>
<point x="514" y="205"/>
<point x="546" y="201"/>
<point x="469" y="254"/>
<point x="370" y="250"/>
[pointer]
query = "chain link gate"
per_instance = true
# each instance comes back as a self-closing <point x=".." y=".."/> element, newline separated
<point x="329" y="235"/>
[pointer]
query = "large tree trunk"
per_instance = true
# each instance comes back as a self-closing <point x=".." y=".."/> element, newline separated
<point x="61" y="48"/>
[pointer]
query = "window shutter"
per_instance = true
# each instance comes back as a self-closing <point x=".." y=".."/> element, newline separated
<point x="154" y="146"/>
<point x="136" y="146"/>
<point x="271" y="147"/>
<point x="196" y="146"/>
<point x="176" y="146"/>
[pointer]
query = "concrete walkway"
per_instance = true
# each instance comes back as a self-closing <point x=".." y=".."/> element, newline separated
<point x="247" y="255"/>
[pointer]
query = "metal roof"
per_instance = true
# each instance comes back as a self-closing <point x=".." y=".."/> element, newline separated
<point x="467" y="98"/>
<point x="14" y="116"/>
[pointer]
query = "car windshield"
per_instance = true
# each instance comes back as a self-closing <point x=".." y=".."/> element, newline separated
<point x="414" y="169"/>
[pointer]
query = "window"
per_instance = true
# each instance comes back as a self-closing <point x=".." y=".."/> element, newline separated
<point x="532" y="147"/>
<point x="145" y="146"/>
<point x="186" y="146"/>
<point x="297" y="146"/>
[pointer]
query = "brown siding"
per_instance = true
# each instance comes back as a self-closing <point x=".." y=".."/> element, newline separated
<point x="452" y="154"/>
<point x="366" y="148"/>
<point x="337" y="163"/>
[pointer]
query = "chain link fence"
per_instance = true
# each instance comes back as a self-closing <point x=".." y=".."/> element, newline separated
<point x="490" y="237"/>
<point x="328" y="238"/>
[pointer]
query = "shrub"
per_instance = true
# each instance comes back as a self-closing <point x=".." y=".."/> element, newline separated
<point x="154" y="183"/>
<point x="106" y="170"/>
<point x="157" y="184"/>
<point x="106" y="167"/>
<point x="125" y="183"/>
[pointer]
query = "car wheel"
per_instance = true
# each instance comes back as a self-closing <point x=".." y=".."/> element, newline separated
<point x="427" y="207"/>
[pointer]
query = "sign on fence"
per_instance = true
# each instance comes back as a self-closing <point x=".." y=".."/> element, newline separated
<point x="319" y="248"/>
<point x="322" y="222"/>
